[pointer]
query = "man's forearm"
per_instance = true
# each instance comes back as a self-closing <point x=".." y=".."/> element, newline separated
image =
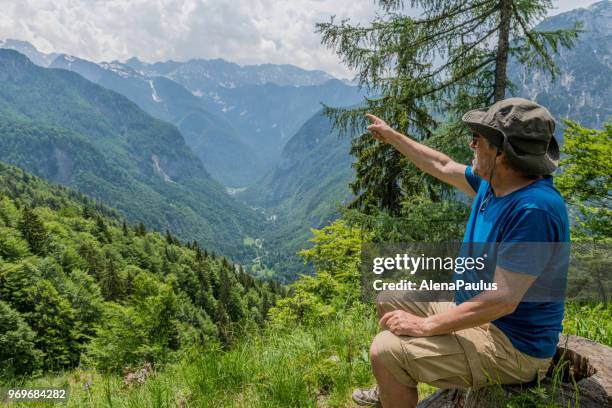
<point x="424" y="157"/>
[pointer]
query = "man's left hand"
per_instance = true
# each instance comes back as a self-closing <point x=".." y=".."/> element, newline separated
<point x="402" y="323"/>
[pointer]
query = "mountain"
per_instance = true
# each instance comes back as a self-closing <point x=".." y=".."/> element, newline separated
<point x="27" y="49"/>
<point x="307" y="168"/>
<point x="267" y="104"/>
<point x="218" y="72"/>
<point x="235" y="118"/>
<point x="60" y="126"/>
<point x="583" y="89"/>
<point x="302" y="192"/>
<point x="210" y="135"/>
<point x="268" y="115"/>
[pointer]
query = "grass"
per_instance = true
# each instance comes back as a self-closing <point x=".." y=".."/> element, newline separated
<point x="297" y="367"/>
<point x="590" y="320"/>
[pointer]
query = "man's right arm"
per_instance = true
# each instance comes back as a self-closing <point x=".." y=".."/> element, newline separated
<point x="424" y="157"/>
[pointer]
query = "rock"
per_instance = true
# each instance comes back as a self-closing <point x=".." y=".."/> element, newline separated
<point x="138" y="377"/>
<point x="581" y="375"/>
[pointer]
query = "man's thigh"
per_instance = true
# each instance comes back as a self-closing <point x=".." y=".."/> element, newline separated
<point x="409" y="301"/>
<point x="467" y="358"/>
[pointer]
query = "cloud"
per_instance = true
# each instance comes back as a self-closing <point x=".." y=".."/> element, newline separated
<point x="561" y="6"/>
<point x="242" y="31"/>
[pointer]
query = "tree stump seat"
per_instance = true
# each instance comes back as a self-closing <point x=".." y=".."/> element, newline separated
<point x="580" y="376"/>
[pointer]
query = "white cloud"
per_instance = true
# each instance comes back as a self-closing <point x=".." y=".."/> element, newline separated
<point x="561" y="6"/>
<point x="242" y="31"/>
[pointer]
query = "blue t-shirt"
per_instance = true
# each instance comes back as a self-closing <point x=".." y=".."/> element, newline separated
<point x="534" y="213"/>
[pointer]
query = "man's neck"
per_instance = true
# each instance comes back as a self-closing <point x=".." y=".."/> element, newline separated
<point x="507" y="182"/>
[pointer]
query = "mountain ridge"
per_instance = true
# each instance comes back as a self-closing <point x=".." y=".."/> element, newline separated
<point x="210" y="135"/>
<point x="106" y="146"/>
<point x="232" y="114"/>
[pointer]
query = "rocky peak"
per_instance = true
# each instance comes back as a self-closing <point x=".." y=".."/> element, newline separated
<point x="29" y="51"/>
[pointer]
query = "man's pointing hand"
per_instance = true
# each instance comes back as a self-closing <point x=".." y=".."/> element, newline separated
<point x="380" y="129"/>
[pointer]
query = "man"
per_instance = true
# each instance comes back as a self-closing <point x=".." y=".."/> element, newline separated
<point x="494" y="336"/>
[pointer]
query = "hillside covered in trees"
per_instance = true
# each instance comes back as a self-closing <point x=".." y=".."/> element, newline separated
<point x="79" y="284"/>
<point x="57" y="125"/>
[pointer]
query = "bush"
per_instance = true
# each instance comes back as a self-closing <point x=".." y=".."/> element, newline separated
<point x="12" y="247"/>
<point x="18" y="356"/>
<point x="144" y="332"/>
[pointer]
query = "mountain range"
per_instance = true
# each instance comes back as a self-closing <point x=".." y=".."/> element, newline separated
<point x="266" y="103"/>
<point x="227" y="113"/>
<point x="58" y="125"/>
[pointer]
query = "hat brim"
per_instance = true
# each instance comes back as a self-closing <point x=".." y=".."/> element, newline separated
<point x="535" y="165"/>
<point x="474" y="120"/>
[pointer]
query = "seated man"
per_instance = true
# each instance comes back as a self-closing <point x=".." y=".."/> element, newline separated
<point x="495" y="336"/>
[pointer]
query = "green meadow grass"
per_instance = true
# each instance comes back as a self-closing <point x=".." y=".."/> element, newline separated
<point x="290" y="367"/>
<point x="590" y="320"/>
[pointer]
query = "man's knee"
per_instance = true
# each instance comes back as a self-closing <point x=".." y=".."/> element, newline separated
<point x="385" y="349"/>
<point x="387" y="355"/>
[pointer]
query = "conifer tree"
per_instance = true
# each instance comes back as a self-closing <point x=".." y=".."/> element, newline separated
<point x="33" y="231"/>
<point x="102" y="231"/>
<point x="141" y="230"/>
<point x="111" y="282"/>
<point x="452" y="58"/>
<point x="223" y="324"/>
<point x="198" y="254"/>
<point x="228" y="295"/>
<point x="202" y="277"/>
<point x="87" y="213"/>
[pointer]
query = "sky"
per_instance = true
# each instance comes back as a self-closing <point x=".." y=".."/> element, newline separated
<point x="241" y="31"/>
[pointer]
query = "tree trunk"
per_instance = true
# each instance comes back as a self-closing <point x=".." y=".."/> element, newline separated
<point x="503" y="44"/>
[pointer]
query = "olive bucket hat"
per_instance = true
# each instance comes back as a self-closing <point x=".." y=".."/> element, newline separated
<point x="523" y="130"/>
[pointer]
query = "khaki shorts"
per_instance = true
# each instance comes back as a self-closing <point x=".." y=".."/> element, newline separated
<point x="466" y="358"/>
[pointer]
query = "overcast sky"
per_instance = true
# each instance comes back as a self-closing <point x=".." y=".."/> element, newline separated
<point x="242" y="31"/>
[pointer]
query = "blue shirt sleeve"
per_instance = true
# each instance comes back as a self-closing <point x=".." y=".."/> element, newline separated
<point x="527" y="242"/>
<point x="472" y="179"/>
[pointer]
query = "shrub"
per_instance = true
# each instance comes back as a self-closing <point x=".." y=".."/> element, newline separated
<point x="18" y="356"/>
